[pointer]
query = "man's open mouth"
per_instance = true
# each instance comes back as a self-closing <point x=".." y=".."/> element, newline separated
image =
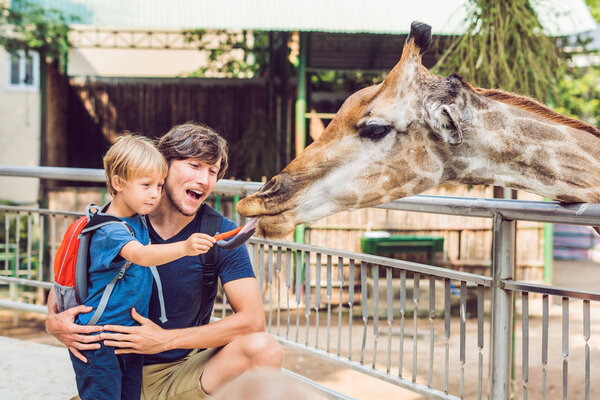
<point x="194" y="194"/>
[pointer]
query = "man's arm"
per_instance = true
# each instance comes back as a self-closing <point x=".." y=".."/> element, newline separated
<point x="62" y="327"/>
<point x="149" y="338"/>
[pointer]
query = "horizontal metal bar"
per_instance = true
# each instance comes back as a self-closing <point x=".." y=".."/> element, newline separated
<point x="225" y="186"/>
<point x="541" y="211"/>
<point x="368" y="258"/>
<point x="41" y="211"/>
<point x="26" y="282"/>
<point x="550" y="290"/>
<point x="415" y="387"/>
<point x="15" y="305"/>
<point x="58" y="173"/>
<point x="323" y="390"/>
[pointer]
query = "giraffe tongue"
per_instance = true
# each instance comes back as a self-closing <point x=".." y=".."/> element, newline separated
<point x="240" y="238"/>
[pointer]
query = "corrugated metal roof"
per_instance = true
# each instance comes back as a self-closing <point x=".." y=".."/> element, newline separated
<point x="447" y="17"/>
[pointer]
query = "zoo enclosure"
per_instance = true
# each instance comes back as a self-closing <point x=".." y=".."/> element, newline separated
<point x="303" y="286"/>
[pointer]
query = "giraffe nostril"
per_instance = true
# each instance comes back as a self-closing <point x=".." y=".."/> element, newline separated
<point x="269" y="185"/>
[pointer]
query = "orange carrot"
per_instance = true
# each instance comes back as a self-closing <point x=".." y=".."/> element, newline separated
<point x="226" y="235"/>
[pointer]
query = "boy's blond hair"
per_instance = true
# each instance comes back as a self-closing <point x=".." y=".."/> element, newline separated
<point x="131" y="156"/>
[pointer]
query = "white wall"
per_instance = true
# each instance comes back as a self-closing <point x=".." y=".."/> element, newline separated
<point x="19" y="136"/>
<point x="133" y="62"/>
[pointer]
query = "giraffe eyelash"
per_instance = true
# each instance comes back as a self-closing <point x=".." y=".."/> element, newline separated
<point x="374" y="131"/>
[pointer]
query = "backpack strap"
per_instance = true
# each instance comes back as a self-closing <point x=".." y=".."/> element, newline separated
<point x="161" y="297"/>
<point x="106" y="295"/>
<point x="210" y="223"/>
<point x="97" y="220"/>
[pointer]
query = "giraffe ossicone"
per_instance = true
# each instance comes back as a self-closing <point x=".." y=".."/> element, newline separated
<point x="417" y="130"/>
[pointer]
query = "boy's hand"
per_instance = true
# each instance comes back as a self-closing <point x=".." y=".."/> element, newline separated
<point x="198" y="243"/>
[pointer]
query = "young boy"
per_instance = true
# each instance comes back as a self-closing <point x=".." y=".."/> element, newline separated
<point x="135" y="173"/>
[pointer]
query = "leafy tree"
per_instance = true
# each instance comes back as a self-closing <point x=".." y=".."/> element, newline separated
<point x="231" y="54"/>
<point x="31" y="27"/>
<point x="505" y="47"/>
<point x="579" y="90"/>
<point x="594" y="6"/>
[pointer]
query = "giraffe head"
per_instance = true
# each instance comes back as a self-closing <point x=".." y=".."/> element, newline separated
<point x="386" y="142"/>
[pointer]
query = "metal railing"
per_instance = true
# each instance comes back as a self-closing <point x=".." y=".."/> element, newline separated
<point x="442" y="333"/>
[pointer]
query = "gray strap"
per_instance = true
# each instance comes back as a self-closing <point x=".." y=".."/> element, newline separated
<point x="161" y="299"/>
<point x="106" y="295"/>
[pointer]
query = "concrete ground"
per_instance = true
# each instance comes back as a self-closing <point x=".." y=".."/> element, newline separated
<point x="34" y="365"/>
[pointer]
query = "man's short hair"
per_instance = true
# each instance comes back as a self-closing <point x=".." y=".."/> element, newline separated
<point x="193" y="140"/>
<point x="131" y="156"/>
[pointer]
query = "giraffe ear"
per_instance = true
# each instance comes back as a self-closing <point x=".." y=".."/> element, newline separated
<point x="446" y="123"/>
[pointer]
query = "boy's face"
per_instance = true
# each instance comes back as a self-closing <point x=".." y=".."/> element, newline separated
<point x="141" y="194"/>
<point x="189" y="183"/>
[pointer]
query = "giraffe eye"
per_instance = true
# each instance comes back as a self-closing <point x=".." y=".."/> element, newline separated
<point x="374" y="131"/>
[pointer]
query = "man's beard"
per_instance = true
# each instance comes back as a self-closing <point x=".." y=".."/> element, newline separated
<point x="177" y="206"/>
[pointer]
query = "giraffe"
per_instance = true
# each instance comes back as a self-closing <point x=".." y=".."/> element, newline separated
<point x="417" y="130"/>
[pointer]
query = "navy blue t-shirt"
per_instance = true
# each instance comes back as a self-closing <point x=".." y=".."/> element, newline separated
<point x="182" y="284"/>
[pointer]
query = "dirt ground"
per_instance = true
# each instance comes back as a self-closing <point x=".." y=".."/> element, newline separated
<point x="575" y="275"/>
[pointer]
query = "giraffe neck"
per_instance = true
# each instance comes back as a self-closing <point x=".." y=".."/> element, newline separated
<point x="508" y="146"/>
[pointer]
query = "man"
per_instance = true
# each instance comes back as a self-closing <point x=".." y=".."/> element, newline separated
<point x="197" y="158"/>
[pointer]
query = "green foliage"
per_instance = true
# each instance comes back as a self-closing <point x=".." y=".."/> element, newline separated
<point x="12" y="227"/>
<point x="504" y="47"/>
<point x="230" y="54"/>
<point x="34" y="27"/>
<point x="579" y="95"/>
<point x="349" y="81"/>
<point x="594" y="6"/>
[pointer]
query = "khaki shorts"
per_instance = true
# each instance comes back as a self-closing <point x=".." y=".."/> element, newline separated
<point x="178" y="380"/>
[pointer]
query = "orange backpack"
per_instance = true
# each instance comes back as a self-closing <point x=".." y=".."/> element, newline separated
<point x="72" y="261"/>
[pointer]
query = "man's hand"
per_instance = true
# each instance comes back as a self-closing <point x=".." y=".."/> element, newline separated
<point x="75" y="337"/>
<point x="147" y="338"/>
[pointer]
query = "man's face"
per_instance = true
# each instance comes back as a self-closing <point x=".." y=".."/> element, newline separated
<point x="189" y="183"/>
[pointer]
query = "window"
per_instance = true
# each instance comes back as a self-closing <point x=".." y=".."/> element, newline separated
<point x="23" y="70"/>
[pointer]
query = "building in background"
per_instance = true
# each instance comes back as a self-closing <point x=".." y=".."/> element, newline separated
<point x="145" y="38"/>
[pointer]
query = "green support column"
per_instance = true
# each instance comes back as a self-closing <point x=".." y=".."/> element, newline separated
<point x="236" y="217"/>
<point x="300" y="114"/>
<point x="299" y="232"/>
<point x="301" y="96"/>
<point x="218" y="202"/>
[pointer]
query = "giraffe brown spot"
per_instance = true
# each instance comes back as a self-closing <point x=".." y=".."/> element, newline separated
<point x="510" y="152"/>
<point x="405" y="177"/>
<point x="449" y="173"/>
<point x="460" y="164"/>
<point x="514" y="185"/>
<point x="422" y="185"/>
<point x="565" y="198"/>
<point x="588" y="143"/>
<point x="423" y="160"/>
<point x="486" y="181"/>
<point x="348" y="200"/>
<point x="494" y="120"/>
<point x="539" y="167"/>
<point x="537" y="132"/>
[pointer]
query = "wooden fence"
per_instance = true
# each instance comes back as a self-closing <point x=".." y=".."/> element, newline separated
<point x="101" y="108"/>
<point x="467" y="241"/>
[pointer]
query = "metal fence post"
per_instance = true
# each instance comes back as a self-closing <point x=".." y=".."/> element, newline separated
<point x="503" y="267"/>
